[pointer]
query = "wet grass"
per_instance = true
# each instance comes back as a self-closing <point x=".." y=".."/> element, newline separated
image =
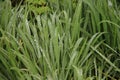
<point x="79" y="42"/>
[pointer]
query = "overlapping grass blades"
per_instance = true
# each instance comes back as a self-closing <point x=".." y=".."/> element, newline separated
<point x="60" y="45"/>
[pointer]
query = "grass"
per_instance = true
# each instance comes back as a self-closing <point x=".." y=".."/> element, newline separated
<point x="76" y="41"/>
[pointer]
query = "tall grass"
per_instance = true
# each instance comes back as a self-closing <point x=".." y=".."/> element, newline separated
<point x="77" y="41"/>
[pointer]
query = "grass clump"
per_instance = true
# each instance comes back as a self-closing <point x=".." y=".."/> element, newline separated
<point x="76" y="41"/>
